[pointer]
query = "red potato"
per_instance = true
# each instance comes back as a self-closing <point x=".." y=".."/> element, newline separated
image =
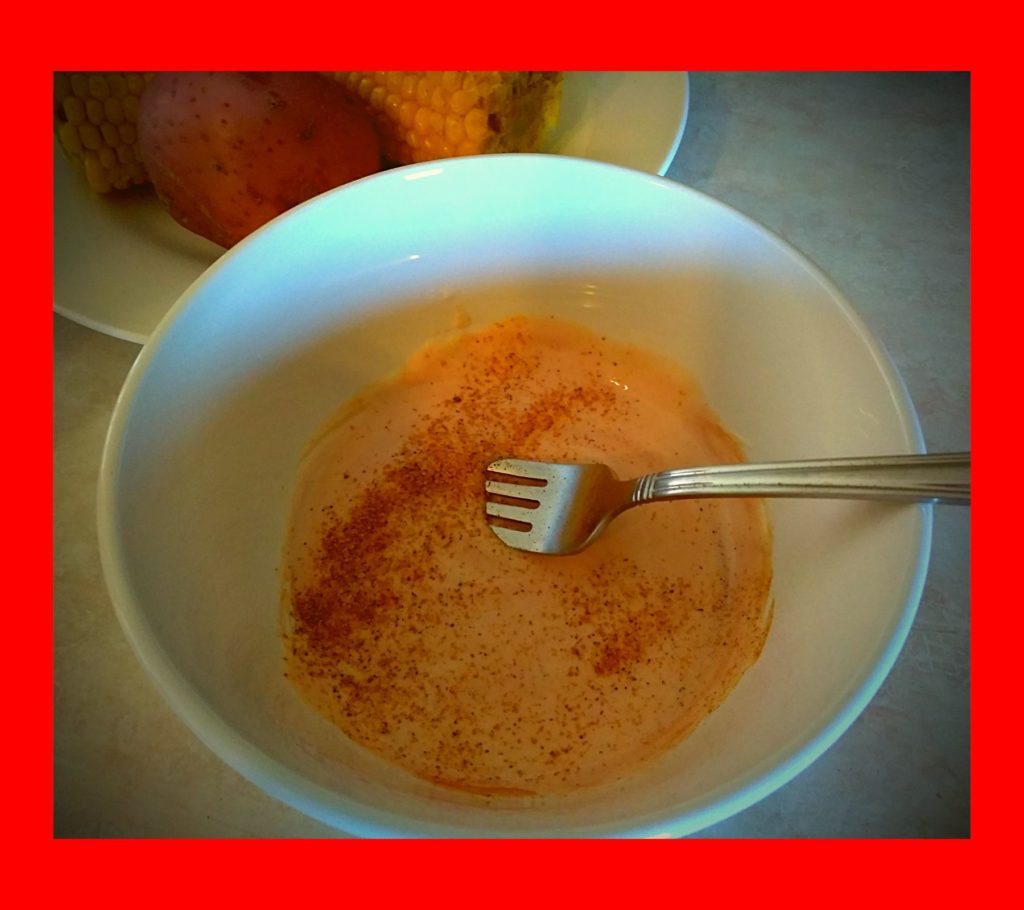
<point x="229" y="151"/>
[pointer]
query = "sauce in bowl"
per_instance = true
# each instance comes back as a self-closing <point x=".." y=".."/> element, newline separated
<point x="488" y="669"/>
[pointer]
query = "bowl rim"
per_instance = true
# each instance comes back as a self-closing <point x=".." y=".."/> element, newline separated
<point x="359" y="819"/>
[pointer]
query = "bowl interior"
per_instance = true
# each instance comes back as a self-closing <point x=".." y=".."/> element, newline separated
<point x="206" y="438"/>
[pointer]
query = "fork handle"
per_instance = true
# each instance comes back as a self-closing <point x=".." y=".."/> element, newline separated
<point x="943" y="478"/>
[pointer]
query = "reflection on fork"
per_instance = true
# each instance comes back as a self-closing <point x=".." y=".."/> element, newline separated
<point x="552" y="508"/>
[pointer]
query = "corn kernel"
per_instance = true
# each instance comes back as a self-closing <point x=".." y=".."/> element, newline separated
<point x="98" y="87"/>
<point x="113" y="110"/>
<point x="421" y="122"/>
<point x="436" y="122"/>
<point x="118" y="86"/>
<point x="94" y="111"/>
<point x="476" y="124"/>
<point x="451" y="81"/>
<point x="91" y="112"/>
<point x="423" y="90"/>
<point x="96" y="174"/>
<point x="90" y="136"/>
<point x="68" y="135"/>
<point x="74" y="110"/>
<point x="437" y="99"/>
<point x="407" y="113"/>
<point x="454" y="131"/>
<point x="393" y="83"/>
<point x="131" y="108"/>
<point x="462" y="100"/>
<point x="409" y="87"/>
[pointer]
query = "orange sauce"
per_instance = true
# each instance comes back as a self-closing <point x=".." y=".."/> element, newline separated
<point x="480" y="667"/>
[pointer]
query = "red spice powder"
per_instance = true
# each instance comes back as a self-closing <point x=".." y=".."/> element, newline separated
<point x="491" y="670"/>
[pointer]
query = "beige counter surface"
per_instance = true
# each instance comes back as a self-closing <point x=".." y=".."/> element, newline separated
<point x="868" y="175"/>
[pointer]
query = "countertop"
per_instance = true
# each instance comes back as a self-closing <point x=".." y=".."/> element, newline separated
<point x="868" y="174"/>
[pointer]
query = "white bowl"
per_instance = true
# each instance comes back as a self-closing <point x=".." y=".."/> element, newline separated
<point x="206" y="437"/>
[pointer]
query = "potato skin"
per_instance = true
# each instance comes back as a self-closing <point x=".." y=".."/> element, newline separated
<point x="227" y="152"/>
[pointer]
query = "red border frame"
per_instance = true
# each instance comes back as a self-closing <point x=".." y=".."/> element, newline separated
<point x="564" y="36"/>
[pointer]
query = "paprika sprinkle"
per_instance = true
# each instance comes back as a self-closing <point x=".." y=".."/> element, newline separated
<point x="487" y="669"/>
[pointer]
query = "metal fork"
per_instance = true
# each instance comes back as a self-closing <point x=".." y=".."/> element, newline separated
<point x="562" y="508"/>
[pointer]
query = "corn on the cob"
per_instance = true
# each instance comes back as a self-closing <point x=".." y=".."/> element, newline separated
<point x="95" y="117"/>
<point x="426" y="115"/>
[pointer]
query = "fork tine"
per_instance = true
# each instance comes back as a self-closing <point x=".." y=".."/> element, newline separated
<point x="513" y="513"/>
<point x="511" y="490"/>
<point x="514" y="538"/>
<point x="517" y="467"/>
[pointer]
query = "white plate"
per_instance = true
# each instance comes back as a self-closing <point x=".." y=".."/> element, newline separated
<point x="119" y="264"/>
